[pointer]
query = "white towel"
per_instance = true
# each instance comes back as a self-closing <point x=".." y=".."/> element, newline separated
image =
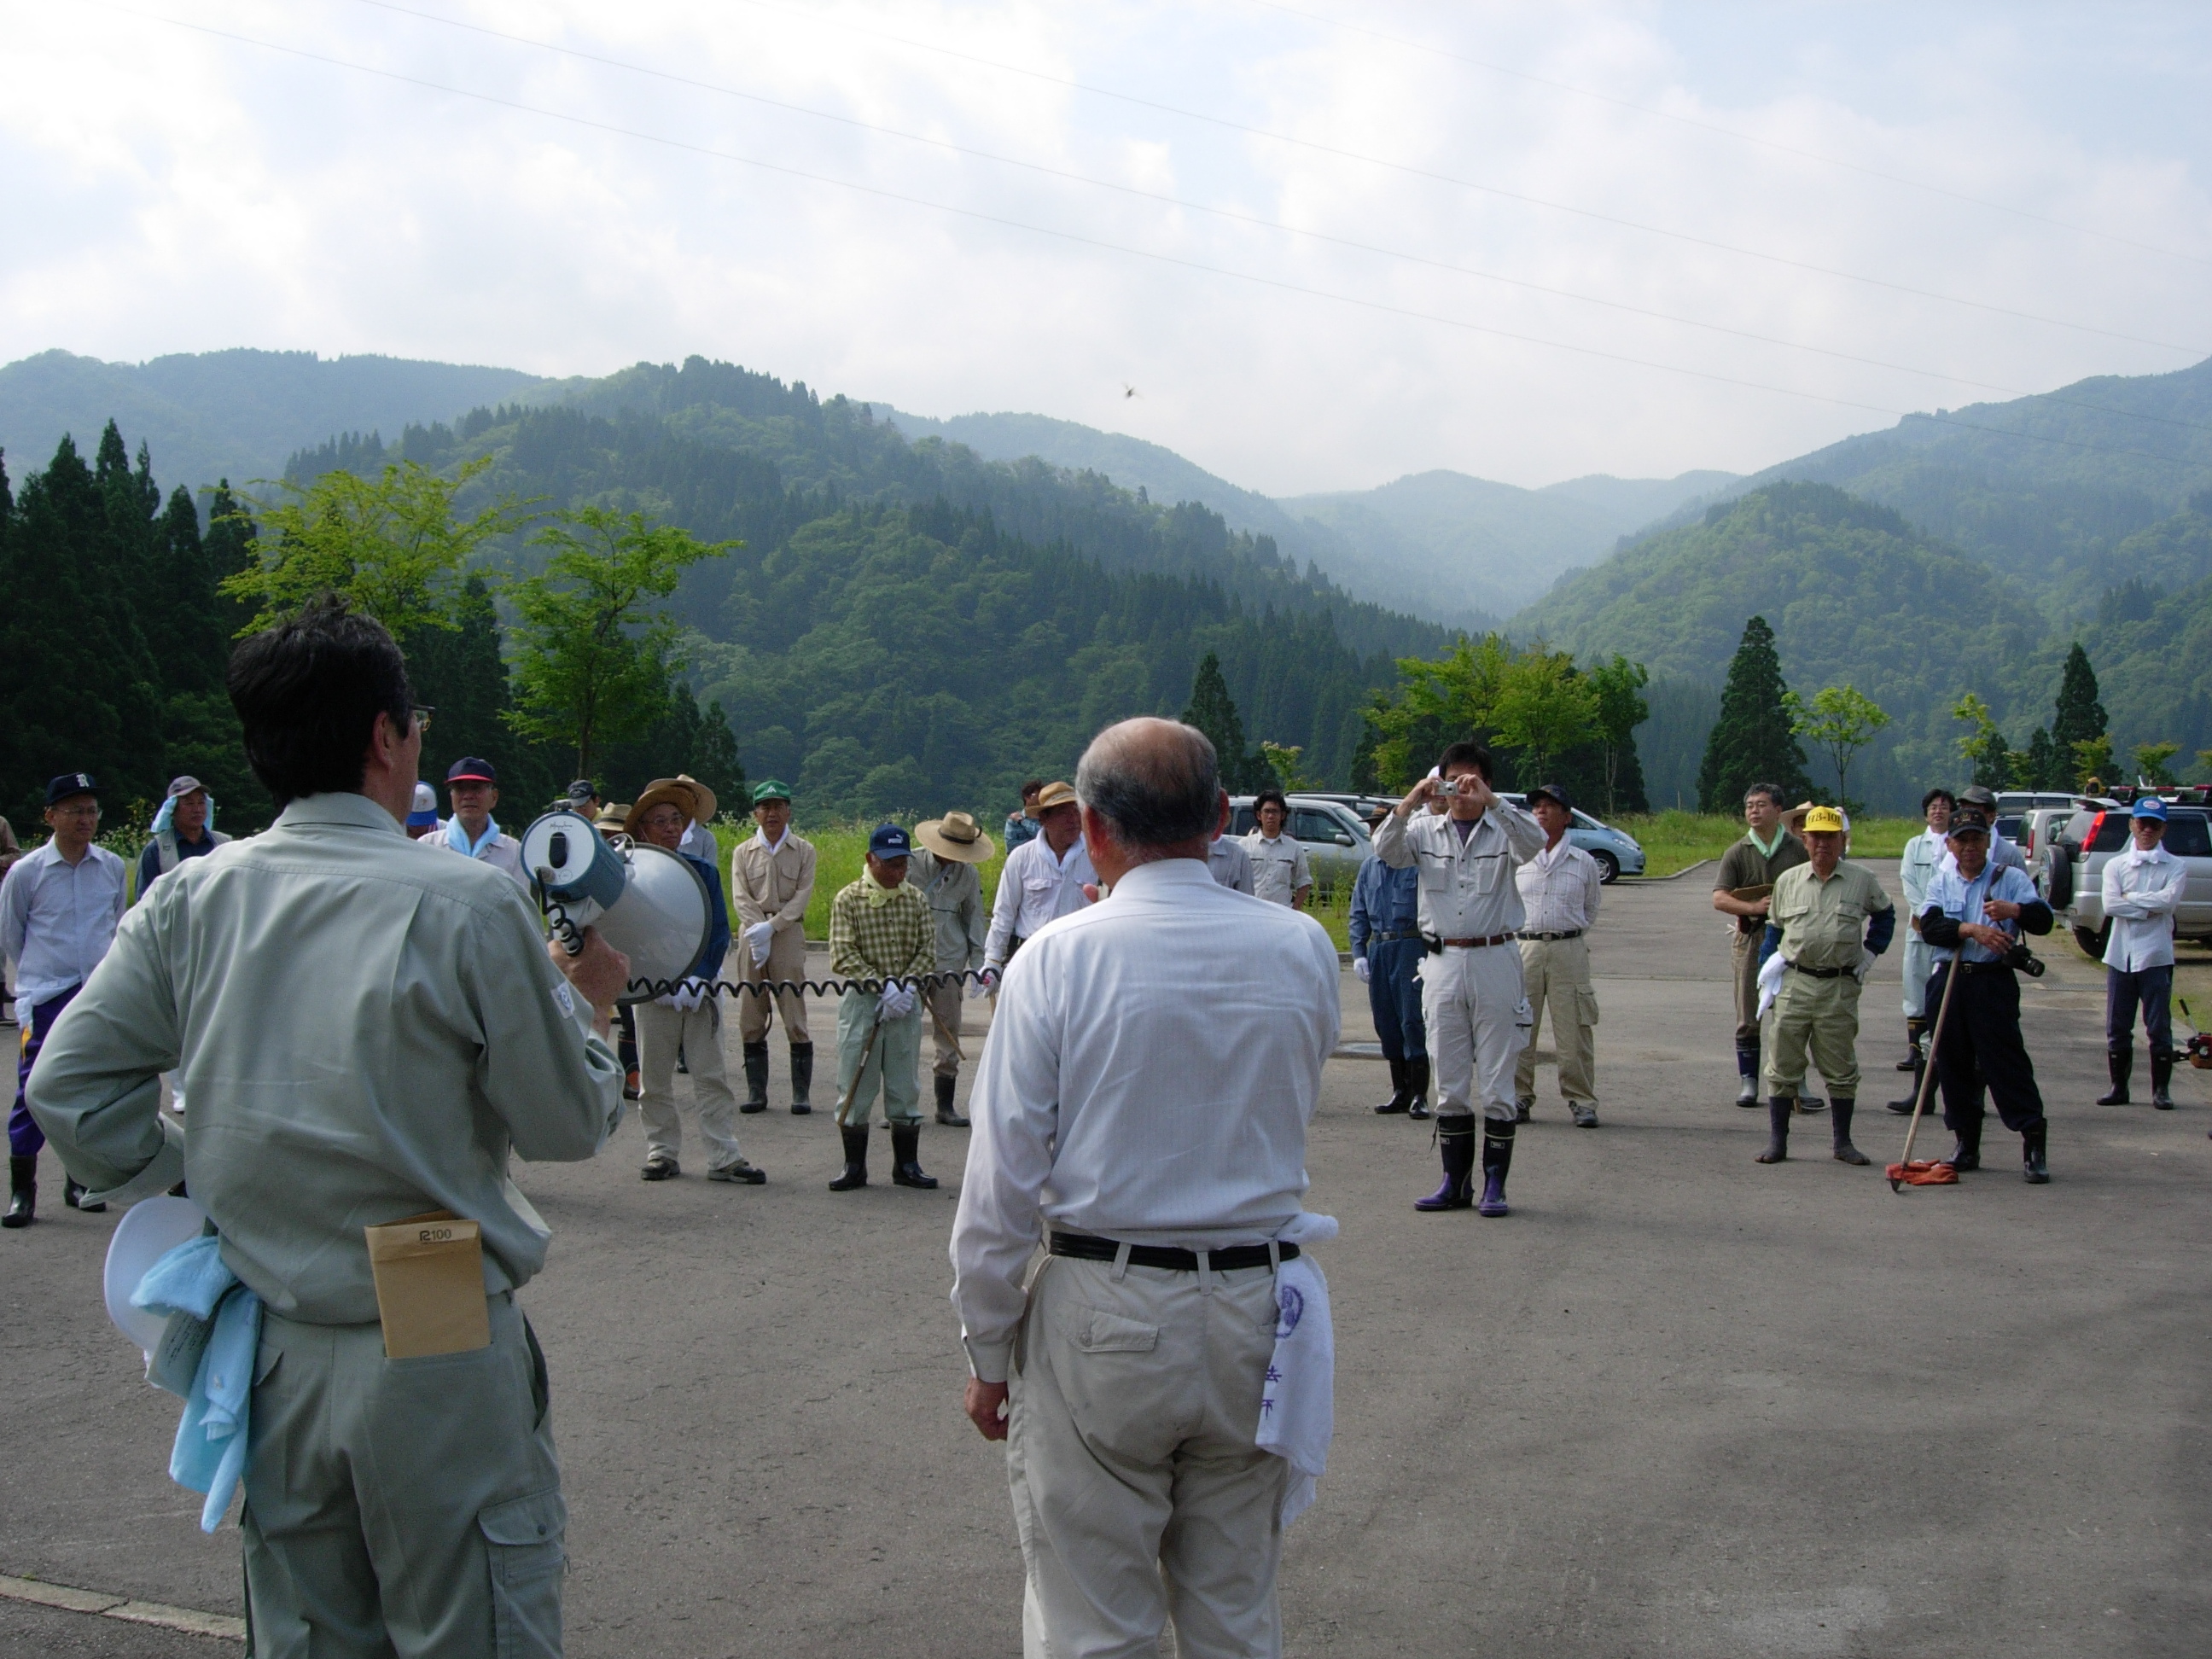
<point x="1297" y="1404"/>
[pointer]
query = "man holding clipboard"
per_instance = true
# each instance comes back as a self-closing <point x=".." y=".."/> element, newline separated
<point x="367" y="1035"/>
<point x="1743" y="887"/>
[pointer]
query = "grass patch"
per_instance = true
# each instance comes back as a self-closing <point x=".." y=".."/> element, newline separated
<point x="840" y="852"/>
<point x="1673" y="841"/>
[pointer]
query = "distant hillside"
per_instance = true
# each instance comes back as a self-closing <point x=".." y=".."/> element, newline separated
<point x="234" y="414"/>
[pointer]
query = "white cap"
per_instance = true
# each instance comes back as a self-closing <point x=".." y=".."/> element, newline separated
<point x="426" y="799"/>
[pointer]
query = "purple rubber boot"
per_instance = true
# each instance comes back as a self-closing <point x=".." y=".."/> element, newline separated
<point x="1455" y="1141"/>
<point x="1497" y="1159"/>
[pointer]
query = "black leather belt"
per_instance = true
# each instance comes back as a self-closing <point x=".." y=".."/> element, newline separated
<point x="1084" y="1248"/>
<point x="1389" y="934"/>
<point x="1814" y="973"/>
<point x="1549" y="938"/>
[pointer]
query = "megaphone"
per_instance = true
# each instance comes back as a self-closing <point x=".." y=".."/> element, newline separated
<point x="647" y="903"/>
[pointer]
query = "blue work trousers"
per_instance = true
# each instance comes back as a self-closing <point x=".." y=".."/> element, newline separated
<point x="25" y="1138"/>
<point x="1394" y="995"/>
<point x="2153" y="988"/>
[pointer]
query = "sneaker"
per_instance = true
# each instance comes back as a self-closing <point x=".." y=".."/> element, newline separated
<point x="661" y="1168"/>
<point x="739" y="1171"/>
<point x="1585" y="1117"/>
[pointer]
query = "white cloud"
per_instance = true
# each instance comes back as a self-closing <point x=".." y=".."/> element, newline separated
<point x="176" y="191"/>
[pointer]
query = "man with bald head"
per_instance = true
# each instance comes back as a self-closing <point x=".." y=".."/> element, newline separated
<point x="1143" y="1100"/>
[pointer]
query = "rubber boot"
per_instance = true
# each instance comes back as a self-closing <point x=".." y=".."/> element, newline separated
<point x="1417" y="1087"/>
<point x="2161" y="1080"/>
<point x="1966" y="1156"/>
<point x="1778" y="1130"/>
<point x="1397" y="1103"/>
<point x="73" y="1193"/>
<point x="2033" y="1168"/>
<point x="1746" y="1077"/>
<point x="802" y="1078"/>
<point x="22" y="1193"/>
<point x="2118" y="1063"/>
<point x="755" y="1057"/>
<point x="856" y="1158"/>
<point x="945" y="1114"/>
<point x="906" y="1164"/>
<point x="1913" y="1029"/>
<point x="1839" y="1119"/>
<point x="1497" y="1159"/>
<point x="1456" y="1144"/>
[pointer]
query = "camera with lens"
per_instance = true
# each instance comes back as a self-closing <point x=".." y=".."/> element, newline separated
<point x="2021" y="960"/>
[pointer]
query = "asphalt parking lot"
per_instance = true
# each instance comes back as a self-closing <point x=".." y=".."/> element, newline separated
<point x="1676" y="1403"/>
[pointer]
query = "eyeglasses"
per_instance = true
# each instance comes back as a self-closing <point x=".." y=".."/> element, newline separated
<point x="423" y="713"/>
<point x="90" y="811"/>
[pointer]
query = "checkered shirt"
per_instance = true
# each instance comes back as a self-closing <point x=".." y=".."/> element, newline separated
<point x="896" y="940"/>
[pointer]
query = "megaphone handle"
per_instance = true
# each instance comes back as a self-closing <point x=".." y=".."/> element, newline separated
<point x="570" y="935"/>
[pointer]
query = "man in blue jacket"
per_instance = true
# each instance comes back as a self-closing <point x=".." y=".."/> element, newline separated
<point x="1386" y="955"/>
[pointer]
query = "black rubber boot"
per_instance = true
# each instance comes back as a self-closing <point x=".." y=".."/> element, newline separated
<point x="22" y="1193"/>
<point x="1840" y="1110"/>
<point x="1497" y="1159"/>
<point x="1778" y="1130"/>
<point x="1397" y="1103"/>
<point x="1913" y="1029"/>
<point x="1746" y="1077"/>
<point x="755" y="1057"/>
<point x="2118" y="1063"/>
<point x="1417" y="1087"/>
<point x="802" y="1080"/>
<point x="906" y="1161"/>
<point x="2161" y="1080"/>
<point x="856" y="1154"/>
<point x="2033" y="1168"/>
<point x="945" y="1114"/>
<point x="1966" y="1156"/>
<point x="1456" y="1143"/>
<point x="73" y="1193"/>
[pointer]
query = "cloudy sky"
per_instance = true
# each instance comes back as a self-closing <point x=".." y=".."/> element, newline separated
<point x="1327" y="244"/>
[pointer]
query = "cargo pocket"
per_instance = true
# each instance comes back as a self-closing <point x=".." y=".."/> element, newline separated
<point x="1586" y="1005"/>
<point x="523" y="1543"/>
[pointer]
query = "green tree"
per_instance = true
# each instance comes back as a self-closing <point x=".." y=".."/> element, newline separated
<point x="2048" y="766"/>
<point x="1436" y="703"/>
<point x="2150" y="764"/>
<point x="2093" y="764"/>
<point x="593" y="644"/>
<point x="1984" y="747"/>
<point x="1544" y="708"/>
<point x="1620" y="710"/>
<point x="1751" y="742"/>
<point x="394" y="547"/>
<point x="1284" y="763"/>
<point x="1842" y="720"/>
<point x="1213" y="711"/>
<point x="2079" y="717"/>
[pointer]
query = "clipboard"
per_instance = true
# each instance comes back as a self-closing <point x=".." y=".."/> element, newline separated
<point x="1752" y="895"/>
<point x="429" y="1270"/>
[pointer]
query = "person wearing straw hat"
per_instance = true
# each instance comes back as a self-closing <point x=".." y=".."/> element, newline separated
<point x="698" y="837"/>
<point x="943" y="869"/>
<point x="771" y="885"/>
<point x="183" y="828"/>
<point x="1044" y="879"/>
<point x="881" y="935"/>
<point x="687" y="1020"/>
<point x="1829" y="920"/>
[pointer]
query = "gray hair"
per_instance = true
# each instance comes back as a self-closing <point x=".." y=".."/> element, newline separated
<point x="1155" y="781"/>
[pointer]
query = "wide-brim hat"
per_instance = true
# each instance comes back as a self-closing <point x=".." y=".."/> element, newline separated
<point x="708" y="806"/>
<point x="680" y="792"/>
<point x="957" y="837"/>
<point x="613" y="816"/>
<point x="1053" y="794"/>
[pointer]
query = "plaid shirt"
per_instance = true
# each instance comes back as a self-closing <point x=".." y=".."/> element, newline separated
<point x="897" y="940"/>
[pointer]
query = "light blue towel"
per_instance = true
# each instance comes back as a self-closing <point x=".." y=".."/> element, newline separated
<point x="209" y="1454"/>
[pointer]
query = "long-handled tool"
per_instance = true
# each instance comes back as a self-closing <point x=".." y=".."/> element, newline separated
<point x="875" y="1030"/>
<point x="1929" y="1173"/>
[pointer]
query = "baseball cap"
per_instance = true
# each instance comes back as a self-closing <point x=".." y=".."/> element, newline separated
<point x="1552" y="792"/>
<point x="770" y="789"/>
<point x="890" y="841"/>
<point x="2148" y="806"/>
<point x="1824" y="820"/>
<point x="581" y="791"/>
<point x="471" y="769"/>
<point x="425" y="814"/>
<point x="70" y="783"/>
<point x="1969" y="820"/>
<point x="180" y="787"/>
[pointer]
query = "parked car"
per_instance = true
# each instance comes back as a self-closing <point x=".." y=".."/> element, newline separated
<point x="1334" y="835"/>
<point x="2037" y="826"/>
<point x="1616" y="851"/>
<point x="2069" y="872"/>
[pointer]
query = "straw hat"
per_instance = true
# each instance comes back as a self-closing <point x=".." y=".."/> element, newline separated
<point x="708" y="805"/>
<point x="955" y="836"/>
<point x="1053" y="794"/>
<point x="682" y="792"/>
<point x="614" y="817"/>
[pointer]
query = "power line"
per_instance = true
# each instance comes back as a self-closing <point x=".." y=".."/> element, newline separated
<point x="1079" y="239"/>
<point x="1716" y="128"/>
<point x="1255" y="220"/>
<point x="1476" y="185"/>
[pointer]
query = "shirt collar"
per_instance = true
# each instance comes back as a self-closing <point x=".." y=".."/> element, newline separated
<point x="1165" y="873"/>
<point x="775" y="846"/>
<point x="338" y="806"/>
<point x="1766" y="850"/>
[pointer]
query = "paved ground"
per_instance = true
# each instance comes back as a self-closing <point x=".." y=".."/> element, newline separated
<point x="1676" y="1403"/>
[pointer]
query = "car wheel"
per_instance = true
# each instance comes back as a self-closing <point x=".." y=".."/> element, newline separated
<point x="1608" y="868"/>
<point x="2093" y="942"/>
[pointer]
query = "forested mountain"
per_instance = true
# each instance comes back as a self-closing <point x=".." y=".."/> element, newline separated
<point x="230" y="414"/>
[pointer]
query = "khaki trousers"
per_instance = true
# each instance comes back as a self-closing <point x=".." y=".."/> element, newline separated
<point x="402" y="1507"/>
<point x="1139" y="1495"/>
<point x="1743" y="958"/>
<point x="698" y="1032"/>
<point x="1821" y="1015"/>
<point x="1556" y="973"/>
<point x="1478" y="1018"/>
<point x="945" y="1000"/>
<point x="786" y="959"/>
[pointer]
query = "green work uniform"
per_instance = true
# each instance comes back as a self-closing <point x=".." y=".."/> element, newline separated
<point x="1824" y="927"/>
<point x="368" y="1030"/>
<point x="893" y="939"/>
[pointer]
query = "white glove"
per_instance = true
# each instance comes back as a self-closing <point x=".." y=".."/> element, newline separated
<point x="1360" y="970"/>
<point x="1866" y="963"/>
<point x="985" y="985"/>
<point x="758" y="937"/>
<point x="1769" y="982"/>
<point x="895" y="1002"/>
<point x="692" y="993"/>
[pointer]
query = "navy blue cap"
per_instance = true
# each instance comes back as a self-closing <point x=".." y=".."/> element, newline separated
<point x="70" y="783"/>
<point x="1553" y="793"/>
<point x="471" y="769"/>
<point x="890" y="841"/>
<point x="2148" y="806"/>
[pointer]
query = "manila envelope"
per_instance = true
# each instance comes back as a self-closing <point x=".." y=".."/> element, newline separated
<point x="1752" y="895"/>
<point x="430" y="1284"/>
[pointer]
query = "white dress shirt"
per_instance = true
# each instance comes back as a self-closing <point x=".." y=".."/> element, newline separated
<point x="1149" y="1075"/>
<point x="1036" y="887"/>
<point x="1231" y="864"/>
<point x="1279" y="867"/>
<point x="2141" y="892"/>
<point x="57" y="919"/>
<point x="1559" y="889"/>
<point x="1915" y="867"/>
<point x="1467" y="888"/>
<point x="698" y="842"/>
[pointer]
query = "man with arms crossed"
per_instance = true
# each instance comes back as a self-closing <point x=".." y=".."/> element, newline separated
<point x="2142" y="890"/>
<point x="367" y="1035"/>
<point x="1144" y="1096"/>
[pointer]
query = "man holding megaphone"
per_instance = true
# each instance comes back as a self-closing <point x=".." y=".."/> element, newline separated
<point x="367" y="1036"/>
